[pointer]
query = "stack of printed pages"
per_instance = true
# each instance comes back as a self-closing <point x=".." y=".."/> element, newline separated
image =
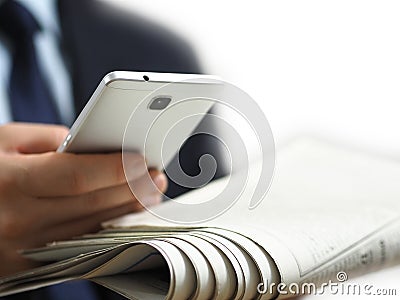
<point x="329" y="210"/>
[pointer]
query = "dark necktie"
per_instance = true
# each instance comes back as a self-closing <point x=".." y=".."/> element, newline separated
<point x="31" y="101"/>
<point x="30" y="98"/>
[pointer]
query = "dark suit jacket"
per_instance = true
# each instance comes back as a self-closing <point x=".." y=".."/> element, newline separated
<point x="98" y="38"/>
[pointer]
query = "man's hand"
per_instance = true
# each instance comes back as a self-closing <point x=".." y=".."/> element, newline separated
<point x="47" y="196"/>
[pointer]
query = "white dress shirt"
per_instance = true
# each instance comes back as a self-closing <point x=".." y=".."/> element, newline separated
<point x="49" y="58"/>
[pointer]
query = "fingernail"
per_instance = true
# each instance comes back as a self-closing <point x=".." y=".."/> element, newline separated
<point x="161" y="182"/>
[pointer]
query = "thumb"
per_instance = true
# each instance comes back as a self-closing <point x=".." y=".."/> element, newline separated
<point x="31" y="138"/>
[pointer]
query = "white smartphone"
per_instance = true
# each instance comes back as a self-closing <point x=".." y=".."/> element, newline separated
<point x="148" y="101"/>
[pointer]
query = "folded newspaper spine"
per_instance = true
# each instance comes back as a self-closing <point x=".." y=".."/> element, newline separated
<point x="201" y="263"/>
<point x="331" y="214"/>
<point x="198" y="263"/>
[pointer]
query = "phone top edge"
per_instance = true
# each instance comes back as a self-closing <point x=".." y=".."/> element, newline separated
<point x="155" y="77"/>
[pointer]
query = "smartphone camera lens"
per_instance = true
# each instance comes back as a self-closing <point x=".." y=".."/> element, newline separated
<point x="160" y="103"/>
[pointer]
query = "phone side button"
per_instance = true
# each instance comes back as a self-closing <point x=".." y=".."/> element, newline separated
<point x="67" y="140"/>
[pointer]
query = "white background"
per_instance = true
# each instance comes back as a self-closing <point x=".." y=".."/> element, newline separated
<point x="327" y="68"/>
<point x="331" y="69"/>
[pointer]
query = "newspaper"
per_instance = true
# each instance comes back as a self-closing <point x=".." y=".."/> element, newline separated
<point x="329" y="212"/>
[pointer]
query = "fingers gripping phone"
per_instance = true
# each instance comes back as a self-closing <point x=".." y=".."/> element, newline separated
<point x="123" y="95"/>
